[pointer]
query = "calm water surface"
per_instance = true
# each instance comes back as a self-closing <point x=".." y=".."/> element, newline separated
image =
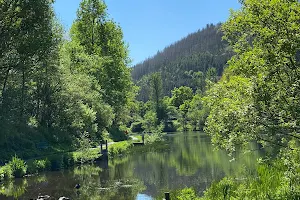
<point x="187" y="160"/>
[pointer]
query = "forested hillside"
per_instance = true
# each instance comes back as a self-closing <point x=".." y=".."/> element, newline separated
<point x="202" y="55"/>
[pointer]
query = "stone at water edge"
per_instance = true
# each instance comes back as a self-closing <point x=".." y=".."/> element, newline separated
<point x="43" y="197"/>
<point x="64" y="198"/>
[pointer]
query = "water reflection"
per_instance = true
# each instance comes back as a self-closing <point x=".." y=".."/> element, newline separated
<point x="188" y="160"/>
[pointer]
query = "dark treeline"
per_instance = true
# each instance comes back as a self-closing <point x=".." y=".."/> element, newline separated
<point x="200" y="52"/>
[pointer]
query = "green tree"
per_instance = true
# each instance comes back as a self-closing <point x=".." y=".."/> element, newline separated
<point x="156" y="96"/>
<point x="30" y="38"/>
<point x="100" y="36"/>
<point x="258" y="98"/>
<point x="184" y="108"/>
<point x="199" y="81"/>
<point x="211" y="74"/>
<point x="180" y="95"/>
<point x="197" y="113"/>
<point x="24" y="49"/>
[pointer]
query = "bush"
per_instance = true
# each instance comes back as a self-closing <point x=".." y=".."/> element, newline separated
<point x="184" y="194"/>
<point x="271" y="182"/>
<point x="187" y="194"/>
<point x="5" y="172"/>
<point x="156" y="136"/>
<point x="225" y="189"/>
<point x="86" y="156"/>
<point x="18" y="167"/>
<point x="39" y="166"/>
<point x="119" y="148"/>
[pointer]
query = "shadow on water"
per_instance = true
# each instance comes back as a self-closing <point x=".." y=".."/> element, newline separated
<point x="188" y="161"/>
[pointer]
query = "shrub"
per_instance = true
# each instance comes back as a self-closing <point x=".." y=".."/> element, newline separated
<point x="225" y="189"/>
<point x="187" y="194"/>
<point x="86" y="156"/>
<point x="18" y="167"/>
<point x="39" y="166"/>
<point x="119" y="148"/>
<point x="155" y="136"/>
<point x="184" y="194"/>
<point x="5" y="172"/>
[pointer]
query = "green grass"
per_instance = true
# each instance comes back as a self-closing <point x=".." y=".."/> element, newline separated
<point x="63" y="160"/>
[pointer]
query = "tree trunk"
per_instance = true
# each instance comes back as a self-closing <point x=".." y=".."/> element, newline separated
<point x="4" y="85"/>
<point x="22" y="95"/>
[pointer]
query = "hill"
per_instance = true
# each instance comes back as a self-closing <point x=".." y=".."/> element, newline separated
<point x="197" y="52"/>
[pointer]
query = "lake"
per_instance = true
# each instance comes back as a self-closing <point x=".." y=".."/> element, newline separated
<point x="184" y="160"/>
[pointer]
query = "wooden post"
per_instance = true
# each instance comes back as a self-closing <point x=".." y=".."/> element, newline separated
<point x="143" y="138"/>
<point x="106" y="144"/>
<point x="101" y="147"/>
<point x="167" y="196"/>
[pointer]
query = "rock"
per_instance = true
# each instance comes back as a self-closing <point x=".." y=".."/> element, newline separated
<point x="43" y="197"/>
<point x="64" y="198"/>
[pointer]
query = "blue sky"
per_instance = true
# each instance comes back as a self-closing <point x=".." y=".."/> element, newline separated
<point x="151" y="25"/>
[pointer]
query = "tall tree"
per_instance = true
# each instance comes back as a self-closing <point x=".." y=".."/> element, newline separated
<point x="101" y="36"/>
<point x="180" y="95"/>
<point x="156" y="96"/>
<point x="258" y="98"/>
<point x="27" y="41"/>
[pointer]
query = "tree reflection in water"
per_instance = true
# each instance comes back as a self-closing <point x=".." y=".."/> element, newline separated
<point x="187" y="160"/>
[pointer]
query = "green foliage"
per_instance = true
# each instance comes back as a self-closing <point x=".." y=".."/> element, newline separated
<point x="118" y="133"/>
<point x="183" y="119"/>
<point x="18" y="167"/>
<point x="11" y="189"/>
<point x="53" y="89"/>
<point x="119" y="148"/>
<point x="100" y="36"/>
<point x="184" y="194"/>
<point x="41" y="165"/>
<point x="86" y="156"/>
<point x="257" y="99"/>
<point x="211" y="74"/>
<point x="197" y="113"/>
<point x="180" y="95"/>
<point x="225" y="189"/>
<point x="150" y="121"/>
<point x="270" y="182"/>
<point x="6" y="172"/>
<point x="187" y="194"/>
<point x="137" y="127"/>
<point x="231" y="112"/>
<point x="85" y="152"/>
<point x="156" y="136"/>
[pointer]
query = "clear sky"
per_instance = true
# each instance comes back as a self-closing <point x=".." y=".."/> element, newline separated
<point x="151" y="25"/>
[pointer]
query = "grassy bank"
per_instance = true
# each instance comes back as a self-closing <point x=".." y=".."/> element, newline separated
<point x="16" y="167"/>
